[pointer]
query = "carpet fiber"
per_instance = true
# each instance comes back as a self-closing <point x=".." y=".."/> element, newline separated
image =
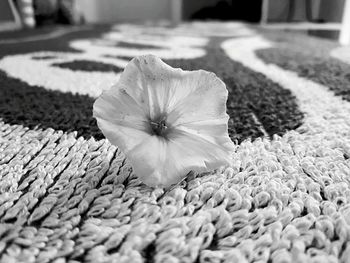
<point x="67" y="195"/>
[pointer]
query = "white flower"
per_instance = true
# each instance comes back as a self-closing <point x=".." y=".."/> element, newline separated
<point x="167" y="121"/>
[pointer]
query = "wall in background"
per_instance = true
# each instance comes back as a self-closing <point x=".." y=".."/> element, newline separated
<point x="140" y="10"/>
<point x="332" y="11"/>
<point x="327" y="10"/>
<point x="103" y="11"/>
<point x="278" y="10"/>
<point x="5" y="12"/>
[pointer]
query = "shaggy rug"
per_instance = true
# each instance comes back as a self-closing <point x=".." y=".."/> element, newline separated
<point x="68" y="195"/>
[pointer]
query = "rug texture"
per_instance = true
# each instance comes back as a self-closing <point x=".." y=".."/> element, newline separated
<point x="68" y="195"/>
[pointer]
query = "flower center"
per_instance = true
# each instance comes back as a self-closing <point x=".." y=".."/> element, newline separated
<point x="159" y="127"/>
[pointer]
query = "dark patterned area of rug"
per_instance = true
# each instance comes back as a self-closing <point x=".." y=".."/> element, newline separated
<point x="67" y="195"/>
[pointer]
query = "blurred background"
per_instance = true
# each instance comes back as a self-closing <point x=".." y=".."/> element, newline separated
<point x="325" y="18"/>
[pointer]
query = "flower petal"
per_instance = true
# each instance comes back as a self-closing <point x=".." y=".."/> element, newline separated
<point x="147" y="79"/>
<point x="206" y="101"/>
<point x="160" y="162"/>
<point x="125" y="138"/>
<point x="121" y="119"/>
<point x="163" y="89"/>
<point x="167" y="164"/>
<point x="214" y="151"/>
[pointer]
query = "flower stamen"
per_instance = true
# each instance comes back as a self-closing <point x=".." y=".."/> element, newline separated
<point x="159" y="128"/>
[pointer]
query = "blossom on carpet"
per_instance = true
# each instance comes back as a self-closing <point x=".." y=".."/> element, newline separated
<point x="167" y="121"/>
